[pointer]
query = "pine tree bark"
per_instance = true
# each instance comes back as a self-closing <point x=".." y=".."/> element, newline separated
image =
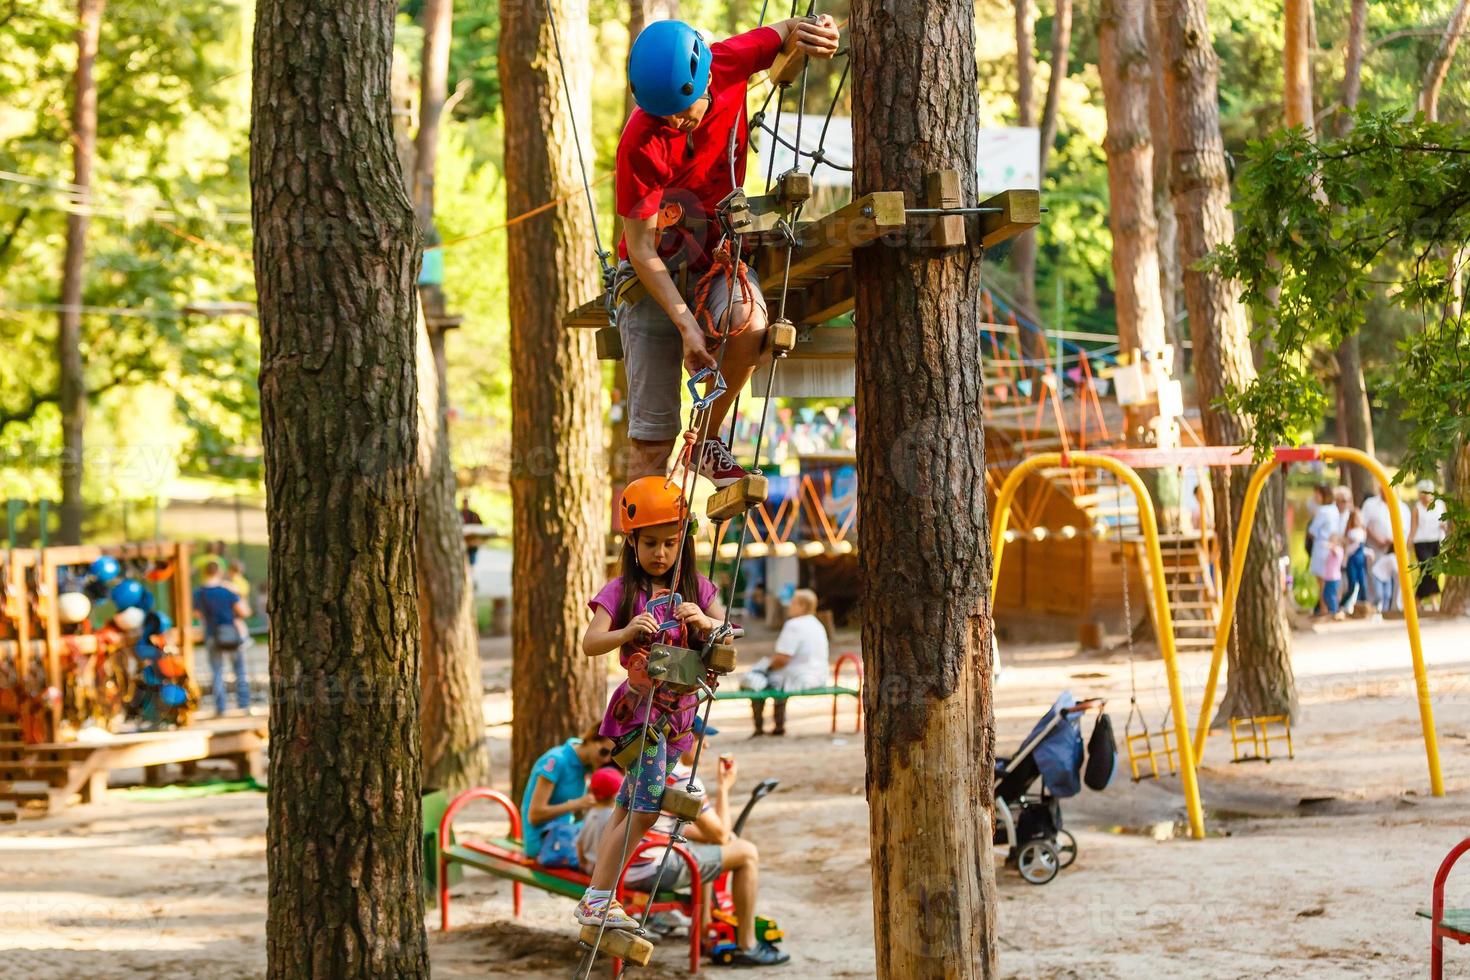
<point x="1168" y="227"/>
<point x="558" y="485"/>
<point x="438" y="22"/>
<point x="1296" y="64"/>
<point x="336" y="255"/>
<point x="1033" y="343"/>
<point x="1352" y="389"/>
<point x="921" y="466"/>
<point x="1123" y="65"/>
<point x="1260" y="678"/>
<point x="1438" y="67"/>
<point x="71" y="377"/>
<point x="451" y="717"/>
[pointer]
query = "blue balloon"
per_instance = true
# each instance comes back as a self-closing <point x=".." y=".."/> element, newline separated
<point x="105" y="568"/>
<point x="127" y="594"/>
<point x="157" y="622"/>
<point x="147" y="652"/>
<point x="151" y="676"/>
<point x="174" y="696"/>
<point x="145" y="603"/>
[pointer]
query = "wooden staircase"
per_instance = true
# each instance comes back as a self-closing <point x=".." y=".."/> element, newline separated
<point x="1194" y="599"/>
<point x="39" y="779"/>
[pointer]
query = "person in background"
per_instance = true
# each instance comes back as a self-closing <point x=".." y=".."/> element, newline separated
<point x="219" y="608"/>
<point x="799" y="663"/>
<point x="1332" y="560"/>
<point x="468" y="515"/>
<point x="557" y="789"/>
<point x="1385" y="572"/>
<point x="237" y="581"/>
<point x="715" y="848"/>
<point x="1426" y="530"/>
<point x="1378" y="522"/>
<point x="603" y="786"/>
<point x="1355" y="566"/>
<point x="1320" y="526"/>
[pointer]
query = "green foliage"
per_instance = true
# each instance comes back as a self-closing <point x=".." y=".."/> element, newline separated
<point x="1322" y="224"/>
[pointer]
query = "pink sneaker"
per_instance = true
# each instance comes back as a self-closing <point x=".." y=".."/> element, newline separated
<point x="718" y="465"/>
<point x="591" y="913"/>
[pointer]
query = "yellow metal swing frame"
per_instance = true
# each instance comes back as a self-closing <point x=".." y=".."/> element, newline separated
<point x="1118" y="463"/>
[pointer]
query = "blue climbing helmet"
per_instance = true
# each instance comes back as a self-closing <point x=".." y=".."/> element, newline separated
<point x="668" y="67"/>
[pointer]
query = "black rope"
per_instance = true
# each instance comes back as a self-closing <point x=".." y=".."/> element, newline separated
<point x="818" y="159"/>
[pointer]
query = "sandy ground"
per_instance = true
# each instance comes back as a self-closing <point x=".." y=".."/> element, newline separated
<point x="1313" y="868"/>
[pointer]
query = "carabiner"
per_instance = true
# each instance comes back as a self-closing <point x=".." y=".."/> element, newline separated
<point x="702" y="402"/>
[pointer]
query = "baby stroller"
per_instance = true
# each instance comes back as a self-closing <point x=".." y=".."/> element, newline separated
<point x="1031" y="825"/>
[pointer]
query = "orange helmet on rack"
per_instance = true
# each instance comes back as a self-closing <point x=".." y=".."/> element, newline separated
<point x="648" y="502"/>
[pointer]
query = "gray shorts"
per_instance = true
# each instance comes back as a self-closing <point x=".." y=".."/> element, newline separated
<point x="676" y="877"/>
<point x="653" y="355"/>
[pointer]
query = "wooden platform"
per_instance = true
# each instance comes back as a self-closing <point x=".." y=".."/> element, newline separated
<point x="40" y="779"/>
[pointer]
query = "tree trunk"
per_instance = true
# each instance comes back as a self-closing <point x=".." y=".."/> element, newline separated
<point x="433" y="88"/>
<point x="1168" y="227"/>
<point x="1439" y="65"/>
<point x="921" y="463"/>
<point x="1352" y="389"/>
<point x="557" y="480"/>
<point x="336" y="255"/>
<point x="1123" y="64"/>
<point x="451" y="716"/>
<point x="1033" y="342"/>
<point x="1455" y="601"/>
<point x="1260" y="680"/>
<point x="72" y="383"/>
<point x="1297" y="64"/>
<point x="1023" y="249"/>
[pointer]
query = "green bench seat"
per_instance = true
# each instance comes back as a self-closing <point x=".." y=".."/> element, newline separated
<point x="743" y="695"/>
<point x="561" y="882"/>
<point x="1453" y="920"/>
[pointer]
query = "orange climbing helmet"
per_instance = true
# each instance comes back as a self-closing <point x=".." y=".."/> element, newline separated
<point x="648" y="502"/>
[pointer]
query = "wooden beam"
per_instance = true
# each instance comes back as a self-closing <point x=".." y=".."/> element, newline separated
<point x="829" y="240"/>
<point x="591" y="315"/>
<point x="1020" y="211"/>
<point x="942" y="190"/>
<point x="826" y="344"/>
<point x="825" y="299"/>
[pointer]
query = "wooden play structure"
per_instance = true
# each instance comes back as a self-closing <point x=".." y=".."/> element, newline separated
<point x="76" y="702"/>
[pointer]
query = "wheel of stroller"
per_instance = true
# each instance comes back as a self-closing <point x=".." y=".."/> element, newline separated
<point x="1038" y="862"/>
<point x="1066" y="848"/>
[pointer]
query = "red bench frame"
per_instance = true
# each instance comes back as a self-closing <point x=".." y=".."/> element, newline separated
<point x="633" y="901"/>
<point x="857" y="665"/>
<point x="1436" y="913"/>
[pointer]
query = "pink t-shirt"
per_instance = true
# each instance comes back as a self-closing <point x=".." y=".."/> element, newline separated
<point x="1332" y="570"/>
<point x="623" y="712"/>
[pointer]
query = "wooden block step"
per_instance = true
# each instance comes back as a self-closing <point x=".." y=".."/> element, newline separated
<point x="52" y="773"/>
<point x="25" y="789"/>
<point x="737" y="498"/>
<point x="9" y="812"/>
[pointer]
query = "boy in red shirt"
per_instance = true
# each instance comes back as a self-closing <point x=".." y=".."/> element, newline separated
<point x="673" y="158"/>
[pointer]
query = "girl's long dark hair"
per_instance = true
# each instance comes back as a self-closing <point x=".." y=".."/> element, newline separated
<point x="637" y="581"/>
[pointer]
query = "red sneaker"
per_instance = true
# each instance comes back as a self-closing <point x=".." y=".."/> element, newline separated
<point x="718" y="465"/>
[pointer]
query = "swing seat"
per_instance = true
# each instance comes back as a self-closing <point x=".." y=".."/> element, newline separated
<point x="1256" y="732"/>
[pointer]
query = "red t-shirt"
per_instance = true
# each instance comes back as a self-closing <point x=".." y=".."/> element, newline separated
<point x="659" y="165"/>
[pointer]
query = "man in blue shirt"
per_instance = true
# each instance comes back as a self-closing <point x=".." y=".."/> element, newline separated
<point x="557" y="788"/>
<point x="222" y="611"/>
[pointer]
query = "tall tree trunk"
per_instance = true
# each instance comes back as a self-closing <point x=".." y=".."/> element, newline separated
<point x="438" y="16"/>
<point x="1033" y="343"/>
<point x="1168" y="225"/>
<point x="1439" y="65"/>
<point x="1023" y="249"/>
<point x="557" y="476"/>
<point x="72" y="383"/>
<point x="1352" y="389"/>
<point x="451" y="717"/>
<point x="1297" y="64"/>
<point x="1261" y="680"/>
<point x="1123" y="63"/>
<point x="921" y="462"/>
<point x="336" y="255"/>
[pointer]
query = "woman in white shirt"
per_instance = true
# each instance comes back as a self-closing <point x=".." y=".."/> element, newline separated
<point x="1426" y="530"/>
<point x="799" y="664"/>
